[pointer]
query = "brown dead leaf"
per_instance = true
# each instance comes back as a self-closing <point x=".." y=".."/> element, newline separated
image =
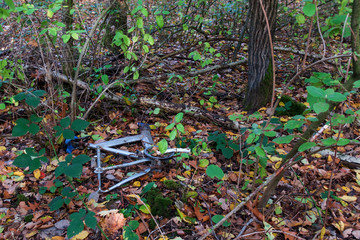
<point x="113" y="222"/>
<point x="201" y="216"/>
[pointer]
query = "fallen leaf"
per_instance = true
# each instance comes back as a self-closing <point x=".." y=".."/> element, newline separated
<point x="37" y="173"/>
<point x="81" y="235"/>
<point x="348" y="198"/>
<point x="137" y="184"/>
<point x="113" y="222"/>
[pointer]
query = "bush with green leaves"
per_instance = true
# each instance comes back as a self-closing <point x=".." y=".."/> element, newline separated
<point x="69" y="169"/>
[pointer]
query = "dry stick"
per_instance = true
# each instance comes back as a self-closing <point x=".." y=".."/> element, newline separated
<point x="243" y="202"/>
<point x="272" y="53"/>
<point x="308" y="42"/>
<point x="83" y="51"/>
<point x="319" y="29"/>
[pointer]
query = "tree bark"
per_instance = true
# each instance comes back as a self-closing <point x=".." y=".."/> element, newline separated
<point x="260" y="73"/>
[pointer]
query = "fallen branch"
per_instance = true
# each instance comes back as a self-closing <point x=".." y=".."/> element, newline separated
<point x="165" y="106"/>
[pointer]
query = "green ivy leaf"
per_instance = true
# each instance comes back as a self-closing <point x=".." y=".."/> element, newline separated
<point x="163" y="145"/>
<point x="306" y="146"/>
<point x="134" y="224"/>
<point x="10" y="3"/>
<point x="156" y="111"/>
<point x="284" y="140"/>
<point x="74" y="170"/>
<point x="160" y="21"/>
<point x="320" y="107"/>
<point x="81" y="159"/>
<point x="316" y="92"/>
<point x="56" y="203"/>
<point x="292" y="124"/>
<point x="214" y="171"/>
<point x="76" y="226"/>
<point x="227" y="152"/>
<point x="357" y="84"/>
<point x="309" y="9"/>
<point x="32" y="101"/>
<point x="343" y="142"/>
<point x="22" y="161"/>
<point x="90" y="220"/>
<point x="79" y="125"/>
<point x="173" y="134"/>
<point x="300" y="19"/>
<point x="260" y="152"/>
<point x="140" y="22"/>
<point x="68" y="134"/>
<point x="203" y="163"/>
<point x="270" y="133"/>
<point x="65" y="122"/>
<point x="337" y="97"/>
<point x="328" y="141"/>
<point x="218" y="218"/>
<point x="263" y="161"/>
<point x="179" y="117"/>
<point x="170" y="126"/>
<point x="19" y="130"/>
<point x="34" y="128"/>
<point x="180" y="127"/>
<point x="34" y="164"/>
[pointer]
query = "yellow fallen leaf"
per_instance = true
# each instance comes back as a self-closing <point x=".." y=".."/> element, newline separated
<point x="2" y="148"/>
<point x="183" y="216"/>
<point x="82" y="235"/>
<point x="145" y="208"/>
<point x="277" y="165"/>
<point x="284" y="119"/>
<point x="339" y="225"/>
<point x="17" y="173"/>
<point x="57" y="238"/>
<point x="356" y="188"/>
<point x="316" y="155"/>
<point x="275" y="159"/>
<point x="281" y="104"/>
<point x="322" y="234"/>
<point x="37" y="174"/>
<point x="137" y="184"/>
<point x="31" y="234"/>
<point x="348" y="198"/>
<point x="107" y="158"/>
<point x="231" y="133"/>
<point x="163" y="179"/>
<point x="190" y="128"/>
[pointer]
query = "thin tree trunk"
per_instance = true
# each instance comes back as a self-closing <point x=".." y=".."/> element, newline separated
<point x="260" y="70"/>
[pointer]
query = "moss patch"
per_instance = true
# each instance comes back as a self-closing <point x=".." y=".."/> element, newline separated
<point x="172" y="185"/>
<point x="290" y="107"/>
<point x="160" y="206"/>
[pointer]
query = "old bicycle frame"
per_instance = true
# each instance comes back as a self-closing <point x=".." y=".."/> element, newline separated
<point x="139" y="157"/>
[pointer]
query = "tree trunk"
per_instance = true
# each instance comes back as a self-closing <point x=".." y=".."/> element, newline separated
<point x="117" y="20"/>
<point x="260" y="73"/>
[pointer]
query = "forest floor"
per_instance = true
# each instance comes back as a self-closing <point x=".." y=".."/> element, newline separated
<point x="193" y="202"/>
